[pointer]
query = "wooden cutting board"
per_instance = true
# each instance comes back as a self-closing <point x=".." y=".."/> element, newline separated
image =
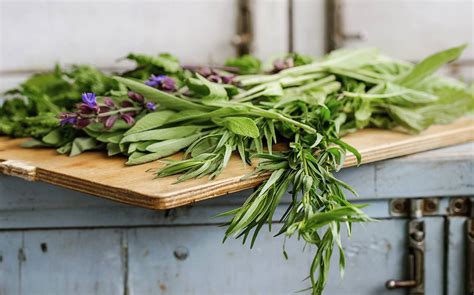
<point x="108" y="177"/>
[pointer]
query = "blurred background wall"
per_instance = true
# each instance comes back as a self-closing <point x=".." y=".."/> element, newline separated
<point x="37" y="34"/>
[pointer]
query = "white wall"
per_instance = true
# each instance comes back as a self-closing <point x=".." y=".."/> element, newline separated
<point x="413" y="29"/>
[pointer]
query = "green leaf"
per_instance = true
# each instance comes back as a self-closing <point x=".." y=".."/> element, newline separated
<point x="430" y="65"/>
<point x="317" y="141"/>
<point x="171" y="146"/>
<point x="65" y="149"/>
<point x="411" y="119"/>
<point x="351" y="149"/>
<point x="207" y="116"/>
<point x="162" y="134"/>
<point x="53" y="138"/>
<point x="32" y="143"/>
<point x="110" y="137"/>
<point x="162" y="98"/>
<point x="215" y="92"/>
<point x="363" y="114"/>
<point x="113" y="149"/>
<point x="81" y="144"/>
<point x="150" y="121"/>
<point x="246" y="64"/>
<point x="240" y="125"/>
<point x="165" y="61"/>
<point x="350" y="58"/>
<point x="140" y="158"/>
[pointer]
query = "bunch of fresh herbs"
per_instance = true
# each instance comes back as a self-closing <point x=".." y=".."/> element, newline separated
<point x="161" y="107"/>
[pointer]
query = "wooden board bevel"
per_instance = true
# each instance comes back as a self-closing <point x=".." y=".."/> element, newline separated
<point x="95" y="173"/>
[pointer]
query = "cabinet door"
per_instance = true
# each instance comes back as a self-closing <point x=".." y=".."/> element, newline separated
<point x="456" y="255"/>
<point x="76" y="261"/>
<point x="10" y="244"/>
<point x="191" y="260"/>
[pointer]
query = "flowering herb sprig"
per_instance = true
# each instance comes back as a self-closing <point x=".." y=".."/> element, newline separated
<point x="162" y="82"/>
<point x="221" y="75"/>
<point x="90" y="111"/>
<point x="281" y="64"/>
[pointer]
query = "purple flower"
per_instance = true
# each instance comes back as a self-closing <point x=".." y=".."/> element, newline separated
<point x="110" y="121"/>
<point x="128" y="119"/>
<point x="68" y="118"/>
<point x="151" y="106"/>
<point x="161" y="82"/>
<point x="104" y="110"/>
<point x="214" y="78"/>
<point x="205" y="71"/>
<point x="154" y="81"/>
<point x="126" y="104"/>
<point x="135" y="96"/>
<point x="109" y="102"/>
<point x="280" y="64"/>
<point x="85" y="109"/>
<point x="168" y="84"/>
<point x="82" y="122"/>
<point x="89" y="99"/>
<point x="228" y="79"/>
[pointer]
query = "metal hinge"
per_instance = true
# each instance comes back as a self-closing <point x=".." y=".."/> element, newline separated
<point x="416" y="252"/>
<point x="401" y="207"/>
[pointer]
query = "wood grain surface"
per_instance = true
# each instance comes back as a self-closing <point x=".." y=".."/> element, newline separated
<point x="108" y="177"/>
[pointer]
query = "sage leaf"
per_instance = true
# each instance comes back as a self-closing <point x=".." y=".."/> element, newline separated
<point x="171" y="146"/>
<point x="429" y="65"/>
<point x="215" y="92"/>
<point x="81" y="144"/>
<point x="240" y="125"/>
<point x="141" y="158"/>
<point x="162" y="134"/>
<point x="150" y="121"/>
<point x="53" y="138"/>
<point x="162" y="98"/>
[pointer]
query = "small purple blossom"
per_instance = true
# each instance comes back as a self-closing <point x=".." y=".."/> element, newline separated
<point x="154" y="81"/>
<point x="162" y="82"/>
<point x="89" y="99"/>
<point x="205" y="71"/>
<point x="82" y="122"/>
<point x="106" y="111"/>
<point x="214" y="78"/>
<point x="282" y="64"/>
<point x="217" y="75"/>
<point x="168" y="84"/>
<point x="110" y="121"/>
<point x="151" y="106"/>
<point x="126" y="104"/>
<point x="109" y="102"/>
<point x="128" y="119"/>
<point x="85" y="109"/>
<point x="68" y="119"/>
<point x="135" y="96"/>
<point x="228" y="79"/>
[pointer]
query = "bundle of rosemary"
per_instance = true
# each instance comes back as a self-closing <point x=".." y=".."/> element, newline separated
<point x="161" y="107"/>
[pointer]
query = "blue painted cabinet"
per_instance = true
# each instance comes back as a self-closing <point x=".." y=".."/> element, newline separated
<point x="56" y="241"/>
